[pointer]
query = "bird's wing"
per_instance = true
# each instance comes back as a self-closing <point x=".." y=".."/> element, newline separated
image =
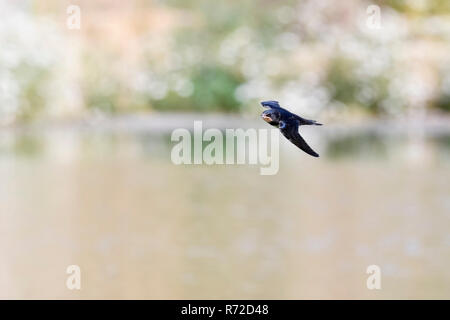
<point x="271" y="104"/>
<point x="290" y="131"/>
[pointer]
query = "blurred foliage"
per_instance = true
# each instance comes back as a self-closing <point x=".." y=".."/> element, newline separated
<point x="366" y="90"/>
<point x="214" y="83"/>
<point x="100" y="86"/>
<point x="419" y="6"/>
<point x="33" y="85"/>
<point x="226" y="56"/>
<point x="213" y="90"/>
<point x="28" y="146"/>
<point x="443" y="100"/>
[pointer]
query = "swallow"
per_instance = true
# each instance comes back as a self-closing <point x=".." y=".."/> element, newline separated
<point x="288" y="124"/>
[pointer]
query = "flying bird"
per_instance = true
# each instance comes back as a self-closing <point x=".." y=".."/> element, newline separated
<point x="288" y="124"/>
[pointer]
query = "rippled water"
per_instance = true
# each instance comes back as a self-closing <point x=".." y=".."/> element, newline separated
<point x="141" y="227"/>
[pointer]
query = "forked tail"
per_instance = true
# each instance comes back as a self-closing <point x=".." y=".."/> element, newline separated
<point x="309" y="122"/>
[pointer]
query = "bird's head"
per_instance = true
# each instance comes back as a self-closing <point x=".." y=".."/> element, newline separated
<point x="271" y="116"/>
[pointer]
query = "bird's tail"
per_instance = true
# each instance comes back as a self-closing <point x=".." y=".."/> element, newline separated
<point x="310" y="122"/>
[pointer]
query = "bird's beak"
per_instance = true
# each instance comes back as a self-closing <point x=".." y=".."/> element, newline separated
<point x="267" y="118"/>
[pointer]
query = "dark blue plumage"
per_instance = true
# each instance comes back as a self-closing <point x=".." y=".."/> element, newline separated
<point x="288" y="124"/>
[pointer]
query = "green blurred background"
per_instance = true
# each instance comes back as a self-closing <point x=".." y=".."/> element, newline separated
<point x="86" y="177"/>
